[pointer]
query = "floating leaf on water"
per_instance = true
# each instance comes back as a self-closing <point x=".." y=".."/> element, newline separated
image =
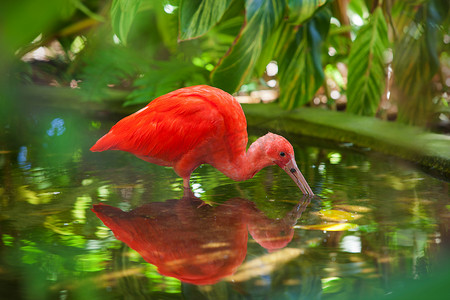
<point x="329" y="227"/>
<point x="338" y="215"/>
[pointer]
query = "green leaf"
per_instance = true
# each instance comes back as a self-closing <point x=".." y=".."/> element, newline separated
<point x="109" y="66"/>
<point x="164" y="77"/>
<point x="268" y="51"/>
<point x="275" y="45"/>
<point x="417" y="61"/>
<point x="198" y="16"/>
<point x="263" y="17"/>
<point x="167" y="28"/>
<point x="366" y="68"/>
<point x="301" y="10"/>
<point x="79" y="5"/>
<point x="359" y="7"/>
<point x="301" y="72"/>
<point x="22" y="21"/>
<point x="122" y="16"/>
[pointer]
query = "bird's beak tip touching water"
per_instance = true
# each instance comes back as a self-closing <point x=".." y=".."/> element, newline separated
<point x="293" y="171"/>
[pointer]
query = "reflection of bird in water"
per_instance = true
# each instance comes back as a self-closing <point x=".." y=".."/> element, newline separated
<point x="200" y="125"/>
<point x="197" y="243"/>
<point x="275" y="234"/>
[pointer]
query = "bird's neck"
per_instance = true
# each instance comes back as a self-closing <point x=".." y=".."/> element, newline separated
<point x="247" y="164"/>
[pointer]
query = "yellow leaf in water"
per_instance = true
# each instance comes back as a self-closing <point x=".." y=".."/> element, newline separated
<point x="27" y="195"/>
<point x="31" y="196"/>
<point x="329" y="227"/>
<point x="338" y="215"/>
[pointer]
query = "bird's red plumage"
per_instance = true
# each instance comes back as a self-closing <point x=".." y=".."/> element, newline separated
<point x="197" y="125"/>
<point x="190" y="121"/>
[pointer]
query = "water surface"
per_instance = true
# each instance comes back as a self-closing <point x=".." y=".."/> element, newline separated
<point x="379" y="227"/>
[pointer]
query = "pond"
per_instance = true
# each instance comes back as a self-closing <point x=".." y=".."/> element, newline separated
<point x="378" y="228"/>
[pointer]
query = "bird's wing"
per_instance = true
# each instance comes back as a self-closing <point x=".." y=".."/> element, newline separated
<point x="165" y="129"/>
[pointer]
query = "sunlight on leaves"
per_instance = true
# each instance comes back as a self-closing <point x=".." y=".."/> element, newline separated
<point x="334" y="157"/>
<point x="73" y="240"/>
<point x="263" y="17"/>
<point x="197" y="17"/>
<point x="301" y="10"/>
<point x="7" y="240"/>
<point x="332" y="72"/>
<point x="87" y="181"/>
<point x="366" y="74"/>
<point x="103" y="232"/>
<point x="82" y="204"/>
<point x="358" y="7"/>
<point x="78" y="44"/>
<point x="122" y="16"/>
<point x="31" y="253"/>
<point x="351" y="244"/>
<point x="103" y="192"/>
<point x="301" y="62"/>
<point x="91" y="262"/>
<point x="331" y="285"/>
<point x="161" y="283"/>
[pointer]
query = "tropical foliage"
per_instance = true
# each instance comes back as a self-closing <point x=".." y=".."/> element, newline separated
<point x="374" y="55"/>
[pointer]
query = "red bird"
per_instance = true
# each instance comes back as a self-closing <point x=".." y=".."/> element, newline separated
<point x="200" y="125"/>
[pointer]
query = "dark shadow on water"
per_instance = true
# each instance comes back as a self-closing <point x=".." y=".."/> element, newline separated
<point x="195" y="242"/>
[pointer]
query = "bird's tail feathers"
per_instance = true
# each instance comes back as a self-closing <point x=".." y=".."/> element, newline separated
<point x="107" y="142"/>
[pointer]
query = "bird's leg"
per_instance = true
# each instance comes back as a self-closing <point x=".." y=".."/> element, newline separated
<point x="187" y="188"/>
<point x="186" y="183"/>
<point x="187" y="193"/>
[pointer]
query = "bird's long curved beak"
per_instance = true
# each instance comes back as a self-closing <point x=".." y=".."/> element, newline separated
<point x="293" y="171"/>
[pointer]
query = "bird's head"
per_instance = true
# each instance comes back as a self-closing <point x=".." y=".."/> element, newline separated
<point x="281" y="153"/>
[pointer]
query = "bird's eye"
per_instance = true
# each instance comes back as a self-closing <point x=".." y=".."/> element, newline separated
<point x="282" y="154"/>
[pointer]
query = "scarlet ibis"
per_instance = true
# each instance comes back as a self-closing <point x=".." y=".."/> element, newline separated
<point x="200" y="125"/>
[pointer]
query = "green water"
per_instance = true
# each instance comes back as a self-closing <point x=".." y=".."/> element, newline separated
<point x="379" y="228"/>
